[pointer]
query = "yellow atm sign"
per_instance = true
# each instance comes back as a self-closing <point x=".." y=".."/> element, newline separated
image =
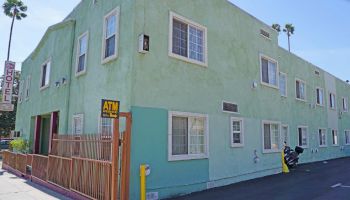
<point x="110" y="108"/>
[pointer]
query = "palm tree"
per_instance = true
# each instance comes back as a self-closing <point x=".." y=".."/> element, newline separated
<point x="277" y="27"/>
<point x="16" y="10"/>
<point x="289" y="30"/>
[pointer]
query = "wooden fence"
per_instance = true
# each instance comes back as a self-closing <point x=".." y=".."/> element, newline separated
<point x="96" y="166"/>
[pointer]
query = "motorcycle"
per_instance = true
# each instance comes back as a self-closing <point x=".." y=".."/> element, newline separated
<point x="291" y="157"/>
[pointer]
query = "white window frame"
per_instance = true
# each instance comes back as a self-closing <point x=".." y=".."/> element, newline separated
<point x="81" y="116"/>
<point x="335" y="145"/>
<point x="261" y="56"/>
<point x="345" y="131"/>
<point x="206" y="137"/>
<point x="334" y="107"/>
<point x="307" y="137"/>
<point x="100" y="124"/>
<point x="345" y="102"/>
<point x="27" y="90"/>
<point x="172" y="16"/>
<point x="78" y="54"/>
<point x="116" y="12"/>
<point x="263" y="138"/>
<point x="20" y="92"/>
<point x="240" y="120"/>
<point x="288" y="134"/>
<point x="47" y="63"/>
<point x="323" y="99"/>
<point x="230" y="102"/>
<point x="286" y="84"/>
<point x="319" y="139"/>
<point x="295" y="89"/>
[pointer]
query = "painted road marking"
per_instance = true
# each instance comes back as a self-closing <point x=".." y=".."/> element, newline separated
<point x="340" y="185"/>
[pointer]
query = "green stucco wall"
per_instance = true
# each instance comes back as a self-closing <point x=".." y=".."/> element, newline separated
<point x="152" y="84"/>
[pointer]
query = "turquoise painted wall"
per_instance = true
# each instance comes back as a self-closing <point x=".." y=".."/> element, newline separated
<point x="150" y="85"/>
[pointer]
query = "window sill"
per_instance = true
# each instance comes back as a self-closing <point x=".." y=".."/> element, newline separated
<point x="284" y="97"/>
<point x="43" y="87"/>
<point x="187" y="157"/>
<point x="323" y="146"/>
<point x="109" y="59"/>
<point x="335" y="145"/>
<point x="269" y="85"/>
<point x="188" y="60"/>
<point x="302" y="100"/>
<point x="78" y="74"/>
<point x="267" y="151"/>
<point x="304" y="147"/>
<point x="347" y="144"/>
<point x="237" y="145"/>
<point x="320" y="105"/>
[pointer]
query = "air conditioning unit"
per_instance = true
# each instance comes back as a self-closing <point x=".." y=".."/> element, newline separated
<point x="143" y="43"/>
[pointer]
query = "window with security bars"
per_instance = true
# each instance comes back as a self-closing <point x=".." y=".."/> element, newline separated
<point x="236" y="132"/>
<point x="269" y="74"/>
<point x="188" y="39"/>
<point x="302" y="137"/>
<point x="106" y="126"/>
<point x="322" y="137"/>
<point x="188" y="135"/>
<point x="271" y="134"/>
<point x="82" y="53"/>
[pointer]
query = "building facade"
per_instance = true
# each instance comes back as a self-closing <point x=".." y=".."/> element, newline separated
<point x="212" y="101"/>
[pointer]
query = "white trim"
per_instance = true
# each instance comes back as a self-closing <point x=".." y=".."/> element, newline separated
<point x="263" y="138"/>
<point x="116" y="12"/>
<point x="345" y="137"/>
<point x="323" y="99"/>
<point x="288" y="134"/>
<point x="78" y="54"/>
<point x="81" y="116"/>
<point x="47" y="63"/>
<point x="27" y="90"/>
<point x="330" y="101"/>
<point x="99" y="119"/>
<point x="295" y="90"/>
<point x="335" y="145"/>
<point x="241" y="121"/>
<point x="173" y="15"/>
<point x="318" y="135"/>
<point x="307" y="136"/>
<point x="206" y="137"/>
<point x="277" y="71"/>
<point x="286" y="82"/>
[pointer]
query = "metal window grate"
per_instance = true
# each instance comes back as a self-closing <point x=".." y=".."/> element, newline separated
<point x="229" y="107"/>
<point x="264" y="33"/>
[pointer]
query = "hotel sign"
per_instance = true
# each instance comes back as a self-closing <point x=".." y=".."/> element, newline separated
<point x="110" y="108"/>
<point x="8" y="82"/>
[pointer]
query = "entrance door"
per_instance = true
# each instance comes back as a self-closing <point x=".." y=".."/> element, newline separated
<point x="45" y="135"/>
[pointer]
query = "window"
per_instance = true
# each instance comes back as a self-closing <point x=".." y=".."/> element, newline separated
<point x="229" y="107"/>
<point x="283" y="84"/>
<point x="332" y="100"/>
<point x="20" y="92"/>
<point x="237" y="139"/>
<point x="285" y="134"/>
<point x="347" y="137"/>
<point x="188" y="135"/>
<point x="82" y="53"/>
<point x="334" y="137"/>
<point x="187" y="40"/>
<point x="302" y="136"/>
<point x="78" y="124"/>
<point x="265" y="33"/>
<point x="300" y="90"/>
<point x="345" y="104"/>
<point x="271" y="136"/>
<point x="322" y="137"/>
<point x="45" y="75"/>
<point x="319" y="96"/>
<point x="106" y="126"/>
<point x="110" y="35"/>
<point x="269" y="71"/>
<point x="27" y="87"/>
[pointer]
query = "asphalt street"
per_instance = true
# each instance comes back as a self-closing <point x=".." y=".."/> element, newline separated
<point x="315" y="181"/>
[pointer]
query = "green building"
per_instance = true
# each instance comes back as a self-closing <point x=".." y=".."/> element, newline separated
<point x="212" y="101"/>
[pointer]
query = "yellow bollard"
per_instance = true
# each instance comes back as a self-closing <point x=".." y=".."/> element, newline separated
<point x="284" y="165"/>
<point x="143" y="182"/>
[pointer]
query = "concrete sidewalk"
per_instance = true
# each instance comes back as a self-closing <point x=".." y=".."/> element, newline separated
<point x="15" y="188"/>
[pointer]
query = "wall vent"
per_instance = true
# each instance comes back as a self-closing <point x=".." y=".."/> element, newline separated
<point x="229" y="107"/>
<point x="317" y="73"/>
<point x="265" y="33"/>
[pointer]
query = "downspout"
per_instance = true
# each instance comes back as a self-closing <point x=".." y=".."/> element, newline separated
<point x="70" y="79"/>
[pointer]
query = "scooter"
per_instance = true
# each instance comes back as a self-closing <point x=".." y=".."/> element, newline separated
<point x="291" y="157"/>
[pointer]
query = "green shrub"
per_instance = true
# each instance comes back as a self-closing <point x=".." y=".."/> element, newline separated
<point x="19" y="145"/>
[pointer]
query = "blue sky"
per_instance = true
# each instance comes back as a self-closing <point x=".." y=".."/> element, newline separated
<point x="322" y="33"/>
